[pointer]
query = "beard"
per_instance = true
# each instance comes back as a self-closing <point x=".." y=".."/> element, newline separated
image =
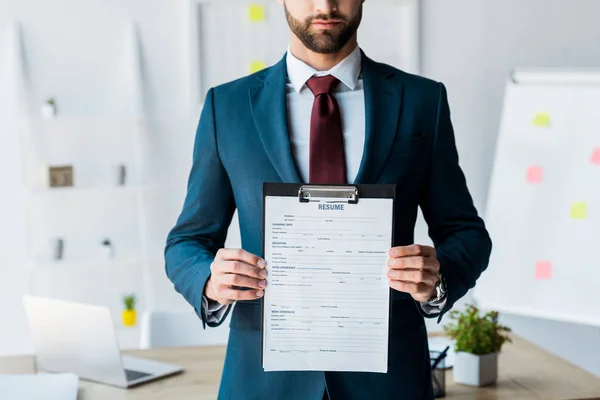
<point x="325" y="41"/>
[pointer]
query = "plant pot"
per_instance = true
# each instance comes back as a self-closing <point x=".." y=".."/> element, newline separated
<point x="48" y="111"/>
<point x="129" y="317"/>
<point x="475" y="370"/>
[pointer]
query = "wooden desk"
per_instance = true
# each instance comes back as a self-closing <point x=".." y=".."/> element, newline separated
<point x="526" y="372"/>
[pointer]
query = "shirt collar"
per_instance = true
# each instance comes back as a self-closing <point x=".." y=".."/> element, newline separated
<point x="347" y="70"/>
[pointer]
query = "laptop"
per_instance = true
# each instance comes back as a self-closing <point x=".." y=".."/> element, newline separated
<point x="81" y="339"/>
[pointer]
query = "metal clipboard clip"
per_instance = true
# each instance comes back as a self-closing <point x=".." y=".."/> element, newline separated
<point x="328" y="194"/>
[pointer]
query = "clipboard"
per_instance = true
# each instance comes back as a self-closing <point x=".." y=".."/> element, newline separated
<point x="330" y="195"/>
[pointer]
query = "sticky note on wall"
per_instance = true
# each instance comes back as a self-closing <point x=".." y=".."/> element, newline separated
<point x="579" y="210"/>
<point x="535" y="174"/>
<point x="256" y="66"/>
<point x="542" y="119"/>
<point x="256" y="13"/>
<point x="596" y="156"/>
<point x="543" y="270"/>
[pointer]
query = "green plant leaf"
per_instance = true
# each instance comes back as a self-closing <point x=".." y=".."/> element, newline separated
<point x="476" y="333"/>
<point x="129" y="301"/>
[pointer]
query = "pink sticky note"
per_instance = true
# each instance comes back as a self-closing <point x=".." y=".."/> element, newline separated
<point x="543" y="270"/>
<point x="535" y="174"/>
<point x="596" y="156"/>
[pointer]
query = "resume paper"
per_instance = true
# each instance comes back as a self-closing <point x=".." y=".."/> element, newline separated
<point x="326" y="305"/>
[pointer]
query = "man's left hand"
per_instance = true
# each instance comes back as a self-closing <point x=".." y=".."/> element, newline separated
<point x="415" y="270"/>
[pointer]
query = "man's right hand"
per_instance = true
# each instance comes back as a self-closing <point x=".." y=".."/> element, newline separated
<point x="233" y="269"/>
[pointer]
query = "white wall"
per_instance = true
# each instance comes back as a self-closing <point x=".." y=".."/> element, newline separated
<point x="468" y="44"/>
<point x="471" y="45"/>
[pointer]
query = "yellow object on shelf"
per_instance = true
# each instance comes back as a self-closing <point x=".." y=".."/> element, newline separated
<point x="542" y="119"/>
<point x="256" y="12"/>
<point x="129" y="317"/>
<point x="256" y="66"/>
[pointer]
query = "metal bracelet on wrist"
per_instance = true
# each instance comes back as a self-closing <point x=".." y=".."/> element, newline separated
<point x="440" y="289"/>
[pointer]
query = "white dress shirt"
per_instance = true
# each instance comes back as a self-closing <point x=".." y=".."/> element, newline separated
<point x="350" y="96"/>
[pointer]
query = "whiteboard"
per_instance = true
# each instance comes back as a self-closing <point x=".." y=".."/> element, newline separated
<point x="543" y="210"/>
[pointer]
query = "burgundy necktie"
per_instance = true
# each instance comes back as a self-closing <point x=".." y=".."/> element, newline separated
<point x="327" y="158"/>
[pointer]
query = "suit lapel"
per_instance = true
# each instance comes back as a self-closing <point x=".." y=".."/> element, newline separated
<point x="383" y="101"/>
<point x="269" y="107"/>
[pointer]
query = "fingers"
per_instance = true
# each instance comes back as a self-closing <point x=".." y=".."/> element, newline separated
<point x="418" y="276"/>
<point x="233" y="269"/>
<point x="412" y="250"/>
<point x="408" y="287"/>
<point x="239" y="268"/>
<point x="234" y="295"/>
<point x="241" y="255"/>
<point x="243" y="281"/>
<point x="417" y="262"/>
<point x="226" y="288"/>
<point x="418" y="291"/>
<point x="414" y="270"/>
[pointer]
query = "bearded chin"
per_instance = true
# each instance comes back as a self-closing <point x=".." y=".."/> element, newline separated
<point x="325" y="42"/>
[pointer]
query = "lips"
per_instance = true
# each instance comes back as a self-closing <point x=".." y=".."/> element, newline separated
<point x="326" y="24"/>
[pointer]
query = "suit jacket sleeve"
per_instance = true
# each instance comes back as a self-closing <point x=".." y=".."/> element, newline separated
<point x="459" y="235"/>
<point x="201" y="228"/>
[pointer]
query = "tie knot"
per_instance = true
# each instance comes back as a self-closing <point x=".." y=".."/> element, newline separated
<point x="322" y="84"/>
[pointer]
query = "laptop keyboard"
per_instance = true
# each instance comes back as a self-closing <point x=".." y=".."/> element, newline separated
<point x="135" y="375"/>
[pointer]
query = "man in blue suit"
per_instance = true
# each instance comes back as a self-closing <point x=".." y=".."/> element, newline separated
<point x="326" y="113"/>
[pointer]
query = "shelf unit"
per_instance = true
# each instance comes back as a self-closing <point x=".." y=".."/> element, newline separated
<point x="98" y="206"/>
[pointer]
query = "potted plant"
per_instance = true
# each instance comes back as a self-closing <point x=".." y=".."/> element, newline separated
<point x="478" y="341"/>
<point x="49" y="109"/>
<point x="129" y="314"/>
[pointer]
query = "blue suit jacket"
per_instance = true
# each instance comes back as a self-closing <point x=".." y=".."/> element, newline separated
<point x="243" y="140"/>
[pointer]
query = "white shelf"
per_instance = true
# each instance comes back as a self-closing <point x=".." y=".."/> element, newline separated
<point x="86" y="191"/>
<point x="96" y="265"/>
<point x="86" y="125"/>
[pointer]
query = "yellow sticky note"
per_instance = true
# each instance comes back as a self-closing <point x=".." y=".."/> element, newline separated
<point x="579" y="210"/>
<point x="256" y="66"/>
<point x="542" y="119"/>
<point x="256" y="12"/>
